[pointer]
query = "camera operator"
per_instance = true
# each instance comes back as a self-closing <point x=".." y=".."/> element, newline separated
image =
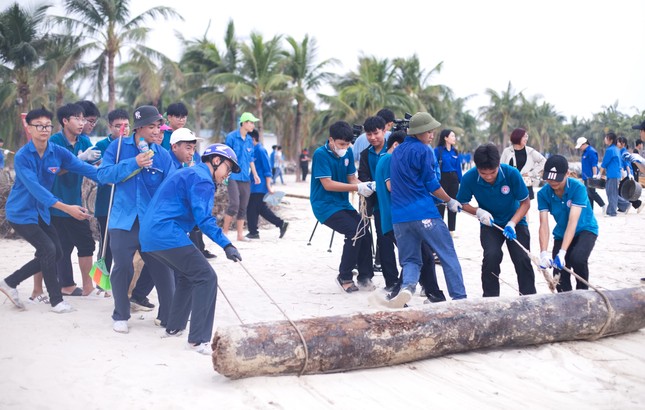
<point x="369" y="158"/>
<point x="361" y="142"/>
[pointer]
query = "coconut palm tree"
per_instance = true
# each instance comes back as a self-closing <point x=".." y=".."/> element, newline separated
<point x="501" y="112"/>
<point x="108" y="28"/>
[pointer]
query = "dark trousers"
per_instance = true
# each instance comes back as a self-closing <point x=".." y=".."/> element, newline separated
<point x="345" y="222"/>
<point x="450" y="184"/>
<point x="72" y="233"/>
<point x="593" y="196"/>
<point x="197" y="237"/>
<point x="44" y="238"/>
<point x="257" y="207"/>
<point x="305" y="171"/>
<point x="387" y="257"/>
<point x="196" y="292"/>
<point x="576" y="258"/>
<point x="108" y="252"/>
<point x="492" y="240"/>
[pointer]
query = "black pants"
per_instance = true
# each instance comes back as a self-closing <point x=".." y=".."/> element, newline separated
<point x="576" y="258"/>
<point x="450" y="184"/>
<point x="197" y="238"/>
<point x="345" y="222"/>
<point x="305" y="171"/>
<point x="593" y="196"/>
<point x="44" y="238"/>
<point x="108" y="252"/>
<point x="387" y="257"/>
<point x="492" y="240"/>
<point x="256" y="208"/>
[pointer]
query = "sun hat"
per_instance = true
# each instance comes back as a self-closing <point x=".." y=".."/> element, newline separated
<point x="146" y="115"/>
<point x="422" y="122"/>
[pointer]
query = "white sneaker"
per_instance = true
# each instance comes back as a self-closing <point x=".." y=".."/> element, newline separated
<point x="604" y="209"/>
<point x="203" y="348"/>
<point x="11" y="293"/>
<point x="399" y="301"/>
<point x="120" y="326"/>
<point x="62" y="307"/>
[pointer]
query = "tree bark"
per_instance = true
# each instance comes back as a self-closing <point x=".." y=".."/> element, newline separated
<point x="367" y="340"/>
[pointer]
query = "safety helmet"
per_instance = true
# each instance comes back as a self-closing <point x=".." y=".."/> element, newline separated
<point x="224" y="151"/>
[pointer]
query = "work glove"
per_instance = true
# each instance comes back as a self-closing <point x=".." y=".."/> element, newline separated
<point x="597" y="176"/>
<point x="232" y="253"/>
<point x="454" y="205"/>
<point x="545" y="260"/>
<point x="558" y="262"/>
<point x="366" y="188"/>
<point x="89" y="155"/>
<point x="485" y="218"/>
<point x="509" y="231"/>
<point x="7" y="152"/>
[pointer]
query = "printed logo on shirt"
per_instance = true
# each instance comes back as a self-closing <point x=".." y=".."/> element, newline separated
<point x="346" y="161"/>
<point x="505" y="189"/>
<point x="569" y="203"/>
<point x="53" y="170"/>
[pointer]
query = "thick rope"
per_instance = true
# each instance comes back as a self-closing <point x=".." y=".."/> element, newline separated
<point x="229" y="303"/>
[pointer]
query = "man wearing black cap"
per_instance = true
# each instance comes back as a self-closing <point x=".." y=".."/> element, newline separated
<point x="576" y="229"/>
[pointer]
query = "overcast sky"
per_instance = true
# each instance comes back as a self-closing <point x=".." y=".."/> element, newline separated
<point x="578" y="56"/>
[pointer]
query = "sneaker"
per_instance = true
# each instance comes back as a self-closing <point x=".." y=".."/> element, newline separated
<point x="283" y="228"/>
<point x="377" y="268"/>
<point x="40" y="299"/>
<point x="171" y="333"/>
<point x="11" y="293"/>
<point x="141" y="305"/>
<point x="434" y="298"/>
<point x="203" y="348"/>
<point x="253" y="235"/>
<point x="400" y="300"/>
<point x="62" y="307"/>
<point x="208" y="255"/>
<point x="120" y="326"/>
<point x="366" y="285"/>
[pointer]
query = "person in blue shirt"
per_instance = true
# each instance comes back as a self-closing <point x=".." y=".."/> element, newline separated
<point x="184" y="200"/>
<point x="333" y="175"/>
<point x="414" y="214"/>
<point x="137" y="176"/>
<point x="29" y="202"/>
<point x="576" y="229"/>
<point x="257" y="207"/>
<point x="627" y="170"/>
<point x="503" y="199"/>
<point x="589" y="168"/>
<point x="73" y="233"/>
<point x="375" y="131"/>
<point x="362" y="143"/>
<point x="239" y="185"/>
<point x="448" y="159"/>
<point x="3" y="153"/>
<point x="177" y="114"/>
<point x="611" y="165"/>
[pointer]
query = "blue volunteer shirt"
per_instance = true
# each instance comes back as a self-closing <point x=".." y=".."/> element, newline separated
<point x="575" y="194"/>
<point x="611" y="162"/>
<point x="588" y="162"/>
<point x="326" y="164"/>
<point x="31" y="195"/>
<point x="624" y="163"/>
<point x="381" y="176"/>
<point x="448" y="161"/>
<point x="243" y="148"/>
<point x="413" y="178"/>
<point x="135" y="187"/>
<point x="262" y="167"/>
<point x="103" y="191"/>
<point x="68" y="187"/>
<point x="165" y="142"/>
<point x="501" y="199"/>
<point x="183" y="200"/>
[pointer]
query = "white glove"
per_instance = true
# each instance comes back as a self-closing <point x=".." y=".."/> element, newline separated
<point x="623" y="173"/>
<point x="89" y="155"/>
<point x="484" y="217"/>
<point x="7" y="152"/>
<point x="597" y="176"/>
<point x="366" y="188"/>
<point x="454" y="205"/>
<point x="545" y="260"/>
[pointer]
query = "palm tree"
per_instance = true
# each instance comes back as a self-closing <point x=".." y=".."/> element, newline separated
<point x="107" y="25"/>
<point x="501" y="112"/>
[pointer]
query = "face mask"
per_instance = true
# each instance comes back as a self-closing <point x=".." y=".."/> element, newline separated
<point x="341" y="152"/>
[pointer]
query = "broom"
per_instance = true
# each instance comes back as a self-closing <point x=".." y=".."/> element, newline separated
<point x="99" y="272"/>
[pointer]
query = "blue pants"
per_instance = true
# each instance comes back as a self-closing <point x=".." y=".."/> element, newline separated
<point x="196" y="292"/>
<point x="616" y="202"/>
<point x="124" y="244"/>
<point x="434" y="232"/>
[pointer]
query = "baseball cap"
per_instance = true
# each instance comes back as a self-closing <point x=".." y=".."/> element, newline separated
<point x="422" y="122"/>
<point x="640" y="126"/>
<point x="580" y="142"/>
<point x="247" y="116"/>
<point x="146" y="115"/>
<point x="183" y="134"/>
<point x="555" y="168"/>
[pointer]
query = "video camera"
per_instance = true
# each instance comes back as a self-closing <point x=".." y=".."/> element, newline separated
<point x="402" y="124"/>
<point x="357" y="130"/>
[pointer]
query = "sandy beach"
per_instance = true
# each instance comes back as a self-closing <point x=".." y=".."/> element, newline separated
<point x="77" y="361"/>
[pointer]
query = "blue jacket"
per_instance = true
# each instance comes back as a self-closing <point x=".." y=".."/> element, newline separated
<point x="31" y="195"/>
<point x="588" y="161"/>
<point x="243" y="148"/>
<point x="448" y="161"/>
<point x="103" y="191"/>
<point x="134" y="186"/>
<point x="611" y="162"/>
<point x="183" y="200"/>
<point x="263" y="168"/>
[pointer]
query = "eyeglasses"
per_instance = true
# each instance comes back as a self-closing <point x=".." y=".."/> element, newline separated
<point x="41" y="128"/>
<point x="79" y="119"/>
<point x="91" y="122"/>
<point x="229" y="170"/>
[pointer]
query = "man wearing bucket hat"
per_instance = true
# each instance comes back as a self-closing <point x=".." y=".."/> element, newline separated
<point x="163" y="235"/>
<point x="239" y="184"/>
<point x="589" y="165"/>
<point x="414" y="214"/>
<point x="137" y="178"/>
<point x="576" y="228"/>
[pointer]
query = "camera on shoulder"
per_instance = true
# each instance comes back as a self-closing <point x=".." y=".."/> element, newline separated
<point x="402" y="124"/>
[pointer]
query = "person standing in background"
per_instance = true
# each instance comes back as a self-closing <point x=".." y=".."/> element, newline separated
<point x="589" y="165"/>
<point x="625" y="165"/>
<point x="304" y="163"/>
<point x="611" y="165"/>
<point x="527" y="160"/>
<point x="450" y="168"/>
<point x="177" y="114"/>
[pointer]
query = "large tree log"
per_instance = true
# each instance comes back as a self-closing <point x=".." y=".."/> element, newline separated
<point x="359" y="341"/>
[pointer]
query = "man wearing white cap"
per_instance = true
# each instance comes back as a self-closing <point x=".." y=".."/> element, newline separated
<point x="589" y="169"/>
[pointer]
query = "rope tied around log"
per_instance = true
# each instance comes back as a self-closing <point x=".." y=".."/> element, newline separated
<point x="364" y="223"/>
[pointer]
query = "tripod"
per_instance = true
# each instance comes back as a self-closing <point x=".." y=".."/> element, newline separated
<point x="314" y="231"/>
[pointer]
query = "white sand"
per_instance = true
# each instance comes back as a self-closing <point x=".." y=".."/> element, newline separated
<point x="76" y="361"/>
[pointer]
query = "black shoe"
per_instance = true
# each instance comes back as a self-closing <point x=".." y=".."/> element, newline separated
<point x="208" y="255"/>
<point x="377" y="268"/>
<point x="141" y="304"/>
<point x="253" y="235"/>
<point x="436" y="297"/>
<point x="283" y="228"/>
<point x="437" y="261"/>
